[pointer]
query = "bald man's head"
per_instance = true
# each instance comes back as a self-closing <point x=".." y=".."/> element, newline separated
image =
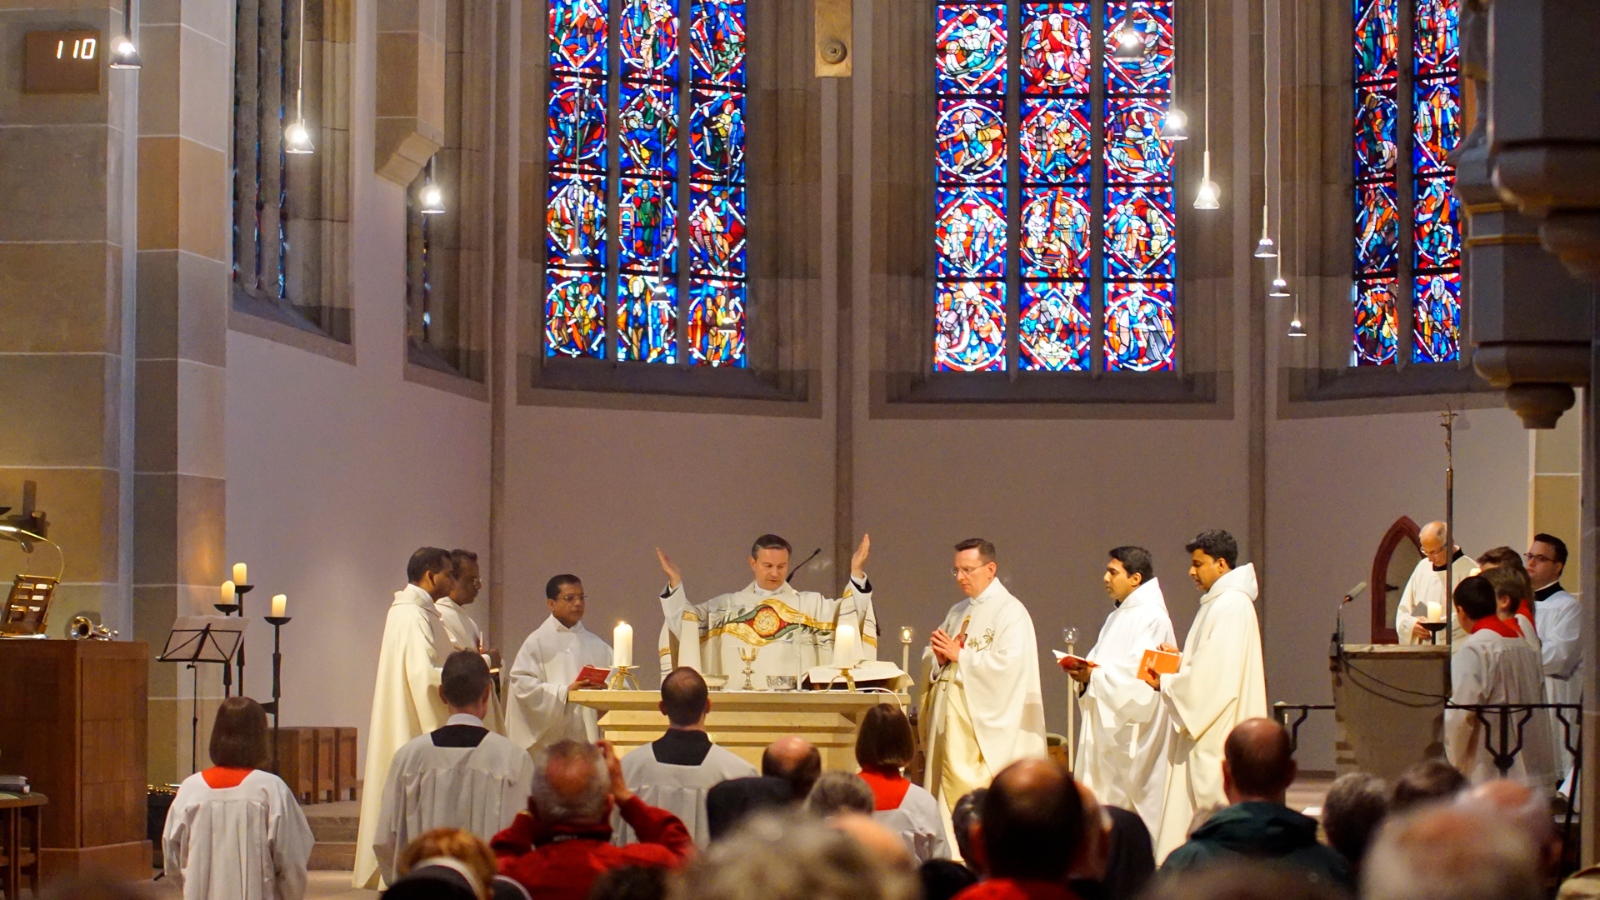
<point x="1522" y="806"/>
<point x="886" y="846"/>
<point x="1032" y="822"/>
<point x="793" y="759"/>
<point x="1258" y="762"/>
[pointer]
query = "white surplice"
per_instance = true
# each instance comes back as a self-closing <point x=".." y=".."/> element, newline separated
<point x="1220" y="682"/>
<point x="919" y="823"/>
<point x="680" y="790"/>
<point x="788" y="631"/>
<point x="1427" y="585"/>
<point x="537" y="711"/>
<point x="1122" y="747"/>
<point x="464" y="634"/>
<point x="1562" y="657"/>
<point x="988" y="700"/>
<point x="405" y="704"/>
<point x="248" y="842"/>
<point x="1492" y="668"/>
<point x="445" y="780"/>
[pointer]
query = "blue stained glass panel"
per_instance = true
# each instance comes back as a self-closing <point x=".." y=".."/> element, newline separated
<point x="1141" y="334"/>
<point x="970" y="49"/>
<point x="1436" y="124"/>
<point x="716" y="41"/>
<point x="648" y="37"/>
<point x="1055" y="140"/>
<point x="970" y="232"/>
<point x="576" y="130"/>
<point x="647" y="116"/>
<point x="716" y="127"/>
<point x="575" y="222"/>
<point x="578" y="35"/>
<point x="1436" y="36"/>
<point x="1436" y="318"/>
<point x="1139" y="231"/>
<point x="574" y="310"/>
<point x="1435" y="225"/>
<point x="1376" y="126"/>
<point x="971" y="138"/>
<point x="1054" y="327"/>
<point x="1056" y="48"/>
<point x="647" y="224"/>
<point x="1377" y="40"/>
<point x="717" y="231"/>
<point x="1134" y="149"/>
<point x="970" y="327"/>
<point x="716" y="324"/>
<point x="647" y="319"/>
<point x="1377" y="228"/>
<point x="1054" y="242"/>
<point x="1376" y="322"/>
<point x="1152" y="74"/>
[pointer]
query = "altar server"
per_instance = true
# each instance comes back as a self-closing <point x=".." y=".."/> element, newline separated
<point x="461" y="775"/>
<point x="984" y="708"/>
<point x="1494" y="665"/>
<point x="548" y="666"/>
<point x="1220" y="682"/>
<point x="1562" y="651"/>
<point x="405" y="701"/>
<point x="235" y="831"/>
<point x="1426" y="590"/>
<point x="1122" y="747"/>
<point x="768" y="633"/>
<point x="885" y="745"/>
<point x="463" y="631"/>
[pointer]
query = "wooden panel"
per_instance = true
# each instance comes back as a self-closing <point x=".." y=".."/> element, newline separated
<point x="297" y="761"/>
<point x="345" y="775"/>
<point x="38" y="701"/>
<point x="327" y="744"/>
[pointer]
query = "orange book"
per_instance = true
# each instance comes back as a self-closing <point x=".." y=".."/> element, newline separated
<point x="1160" y="662"/>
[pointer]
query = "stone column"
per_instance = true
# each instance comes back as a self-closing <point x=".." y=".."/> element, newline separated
<point x="1555" y="490"/>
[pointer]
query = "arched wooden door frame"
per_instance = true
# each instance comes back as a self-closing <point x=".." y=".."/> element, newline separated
<point x="1403" y="529"/>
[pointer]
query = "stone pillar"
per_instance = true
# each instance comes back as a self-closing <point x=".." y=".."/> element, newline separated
<point x="63" y="161"/>
<point x="1555" y="490"/>
<point x="184" y="287"/>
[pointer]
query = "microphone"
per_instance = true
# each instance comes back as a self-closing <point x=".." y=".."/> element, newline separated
<point x="1337" y="648"/>
<point x="802" y="565"/>
<point x="1358" y="590"/>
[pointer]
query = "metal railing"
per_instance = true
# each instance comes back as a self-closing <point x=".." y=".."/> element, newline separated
<point x="1281" y="710"/>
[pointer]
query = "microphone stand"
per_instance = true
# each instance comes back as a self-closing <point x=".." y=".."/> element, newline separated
<point x="802" y="565"/>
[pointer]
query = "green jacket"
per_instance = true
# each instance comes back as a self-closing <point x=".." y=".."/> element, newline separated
<point x="1264" y="832"/>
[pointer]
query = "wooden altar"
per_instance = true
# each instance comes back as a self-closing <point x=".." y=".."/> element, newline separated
<point x="745" y="722"/>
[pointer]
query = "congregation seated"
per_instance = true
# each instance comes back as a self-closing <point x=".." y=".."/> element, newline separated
<point x="789" y="768"/>
<point x="235" y="831"/>
<point x="1029" y="833"/>
<point x="1425" y="782"/>
<point x="1116" y="858"/>
<point x="676" y="771"/>
<point x="632" y="883"/>
<point x="884" y="746"/>
<point x="446" y="864"/>
<point x="561" y="843"/>
<point x="786" y="856"/>
<point x="1356" y="805"/>
<point x="1257" y="768"/>
<point x="837" y="793"/>
<point x="967" y="814"/>
<point x="459" y="776"/>
<point x="1451" y="851"/>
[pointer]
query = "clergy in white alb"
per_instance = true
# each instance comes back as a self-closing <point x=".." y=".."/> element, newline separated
<point x="1558" y="616"/>
<point x="676" y="771"/>
<point x="235" y="831"/>
<point x="461" y="775"/>
<point x="1493" y="665"/>
<point x="1220" y="682"/>
<point x="463" y="632"/>
<point x="769" y="633"/>
<point x="548" y="667"/>
<point x="405" y="699"/>
<point x="983" y="708"/>
<point x="1122" y="746"/>
<point x="1426" y="592"/>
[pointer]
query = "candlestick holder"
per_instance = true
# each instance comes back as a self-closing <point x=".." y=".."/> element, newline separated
<point x="849" y="680"/>
<point x="228" y="609"/>
<point x="620" y="676"/>
<point x="277" y="623"/>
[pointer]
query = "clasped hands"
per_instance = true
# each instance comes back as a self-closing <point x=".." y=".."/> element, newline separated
<point x="946" y="649"/>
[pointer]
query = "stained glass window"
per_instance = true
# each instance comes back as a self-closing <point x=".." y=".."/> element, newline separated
<point x="621" y="167"/>
<point x="1054" y="187"/>
<point x="1407" y="223"/>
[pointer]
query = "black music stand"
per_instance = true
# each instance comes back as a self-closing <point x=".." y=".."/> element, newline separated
<point x="202" y="639"/>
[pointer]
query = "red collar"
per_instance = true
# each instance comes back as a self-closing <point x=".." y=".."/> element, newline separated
<point x="1503" y="627"/>
<point x="220" y="777"/>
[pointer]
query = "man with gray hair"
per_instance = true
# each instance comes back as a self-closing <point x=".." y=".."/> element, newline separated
<point x="792" y="857"/>
<point x="1446" y="852"/>
<point x="562" y="842"/>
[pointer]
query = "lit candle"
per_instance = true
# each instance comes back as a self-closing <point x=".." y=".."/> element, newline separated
<point x="280" y="606"/>
<point x="241" y="574"/>
<point x="1435" y="612"/>
<point x="846" y="646"/>
<point x="905" y="634"/>
<point x="622" y="645"/>
<point x="227" y="592"/>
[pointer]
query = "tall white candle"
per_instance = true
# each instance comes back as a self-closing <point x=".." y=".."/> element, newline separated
<point x="241" y="573"/>
<point x="846" y="646"/>
<point x="622" y="645"/>
<point x="227" y="592"/>
<point x="280" y="606"/>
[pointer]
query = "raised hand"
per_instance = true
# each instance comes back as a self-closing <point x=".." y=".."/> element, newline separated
<point x="674" y="577"/>
<point x="858" y="562"/>
<point x="619" y="785"/>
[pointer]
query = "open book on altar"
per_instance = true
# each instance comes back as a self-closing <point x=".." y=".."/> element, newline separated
<point x="867" y="673"/>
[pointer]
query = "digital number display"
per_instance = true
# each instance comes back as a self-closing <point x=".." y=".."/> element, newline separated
<point x="62" y="62"/>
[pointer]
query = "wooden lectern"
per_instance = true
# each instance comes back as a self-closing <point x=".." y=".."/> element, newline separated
<point x="1389" y="706"/>
<point x="73" y="718"/>
<point x="745" y="722"/>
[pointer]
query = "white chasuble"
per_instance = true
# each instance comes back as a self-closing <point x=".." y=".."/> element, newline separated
<point x="246" y="842"/>
<point x="1492" y="668"/>
<point x="405" y="704"/>
<point x="985" y="710"/>
<point x="537" y="711"/>
<point x="465" y="635"/>
<point x="1427" y="585"/>
<point x="1562" y="655"/>
<point x="777" y="634"/>
<point x="1122" y="748"/>
<point x="1220" y="682"/>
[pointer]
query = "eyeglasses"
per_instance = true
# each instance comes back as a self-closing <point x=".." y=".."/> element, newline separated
<point x="1537" y="557"/>
<point x="958" y="571"/>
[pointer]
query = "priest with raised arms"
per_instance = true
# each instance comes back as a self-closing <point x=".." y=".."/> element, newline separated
<point x="1122" y="747"/>
<point x="405" y="700"/>
<point x="1426" y="597"/>
<point x="985" y="708"/>
<point x="1220" y="682"/>
<point x="549" y="667"/>
<point x="769" y="627"/>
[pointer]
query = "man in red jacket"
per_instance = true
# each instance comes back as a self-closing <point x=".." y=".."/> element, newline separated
<point x="562" y="843"/>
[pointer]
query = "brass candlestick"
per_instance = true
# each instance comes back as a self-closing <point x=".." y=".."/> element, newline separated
<point x="621" y="675"/>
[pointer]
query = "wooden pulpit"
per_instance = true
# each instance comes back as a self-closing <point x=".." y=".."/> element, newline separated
<point x="745" y="722"/>
<point x="73" y="719"/>
<point x="1388" y="704"/>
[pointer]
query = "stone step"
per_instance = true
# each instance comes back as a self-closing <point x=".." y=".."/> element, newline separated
<point x="334" y="831"/>
<point x="333" y="857"/>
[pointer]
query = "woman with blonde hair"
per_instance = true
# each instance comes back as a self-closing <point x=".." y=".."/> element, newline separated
<point x="447" y="863"/>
